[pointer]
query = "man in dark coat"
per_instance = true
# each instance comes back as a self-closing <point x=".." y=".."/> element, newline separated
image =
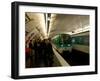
<point x="48" y="54"/>
<point x="37" y="45"/>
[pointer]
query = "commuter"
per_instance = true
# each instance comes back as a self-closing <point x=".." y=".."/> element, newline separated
<point x="27" y="56"/>
<point x="37" y="52"/>
<point x="45" y="54"/>
<point x="31" y="53"/>
<point x="48" y="54"/>
<point x="30" y="44"/>
<point x="41" y="51"/>
<point x="51" y="54"/>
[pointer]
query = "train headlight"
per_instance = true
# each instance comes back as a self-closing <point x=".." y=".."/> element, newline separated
<point x="61" y="45"/>
<point x="69" y="45"/>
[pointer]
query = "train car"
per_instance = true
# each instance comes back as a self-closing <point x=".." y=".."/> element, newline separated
<point x="80" y="42"/>
<point x="63" y="42"/>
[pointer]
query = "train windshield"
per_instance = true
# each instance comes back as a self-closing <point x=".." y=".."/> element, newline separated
<point x="62" y="40"/>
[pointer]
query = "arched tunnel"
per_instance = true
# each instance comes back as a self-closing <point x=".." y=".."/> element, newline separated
<point x="53" y="40"/>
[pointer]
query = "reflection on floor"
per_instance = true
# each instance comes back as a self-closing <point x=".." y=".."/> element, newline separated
<point x="76" y="58"/>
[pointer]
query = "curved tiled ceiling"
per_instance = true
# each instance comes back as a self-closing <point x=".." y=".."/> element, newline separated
<point x="35" y="23"/>
<point x="62" y="23"/>
<point x="56" y="23"/>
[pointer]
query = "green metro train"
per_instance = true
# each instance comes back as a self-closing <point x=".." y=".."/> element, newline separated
<point x="66" y="42"/>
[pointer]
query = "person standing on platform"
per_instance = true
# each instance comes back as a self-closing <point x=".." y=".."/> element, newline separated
<point x="27" y="57"/>
<point x="37" y="52"/>
<point x="31" y="53"/>
<point x="30" y="44"/>
<point x="48" y="54"/>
